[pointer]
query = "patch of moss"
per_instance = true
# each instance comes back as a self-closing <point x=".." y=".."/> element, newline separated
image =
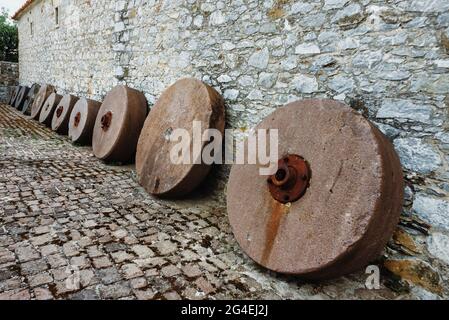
<point x="445" y="42"/>
<point x="417" y="272"/>
<point x="277" y="11"/>
<point x="351" y="21"/>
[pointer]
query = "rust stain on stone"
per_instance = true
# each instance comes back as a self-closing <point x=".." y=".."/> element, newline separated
<point x="272" y="228"/>
<point x="277" y="11"/>
<point x="132" y="13"/>
<point x="417" y="272"/>
<point x="405" y="241"/>
<point x="158" y="6"/>
<point x="90" y="87"/>
<point x="445" y="42"/>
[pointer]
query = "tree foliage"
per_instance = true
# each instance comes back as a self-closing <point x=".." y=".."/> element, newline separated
<point x="9" y="38"/>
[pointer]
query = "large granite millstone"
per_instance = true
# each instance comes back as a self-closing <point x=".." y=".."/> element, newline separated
<point x="61" y="116"/>
<point x="349" y="208"/>
<point x="29" y="99"/>
<point x="179" y="105"/>
<point x="44" y="92"/>
<point x="14" y="94"/>
<point x="20" y="99"/>
<point x="48" y="109"/>
<point x="82" y="120"/>
<point x="118" y="124"/>
<point x="11" y="92"/>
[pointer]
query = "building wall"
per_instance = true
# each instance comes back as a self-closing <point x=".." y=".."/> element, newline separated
<point x="387" y="59"/>
<point x="76" y="54"/>
<point x="9" y="76"/>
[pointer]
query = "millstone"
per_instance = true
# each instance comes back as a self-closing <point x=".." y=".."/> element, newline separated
<point x="348" y="185"/>
<point x="118" y="124"/>
<point x="29" y="99"/>
<point x="11" y="91"/>
<point x="61" y="116"/>
<point x="20" y="99"/>
<point x="82" y="120"/>
<point x="48" y="109"/>
<point x="44" y="92"/>
<point x="14" y="95"/>
<point x="182" y="103"/>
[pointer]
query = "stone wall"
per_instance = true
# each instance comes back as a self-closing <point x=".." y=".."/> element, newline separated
<point x="9" y="75"/>
<point x="76" y="55"/>
<point x="387" y="59"/>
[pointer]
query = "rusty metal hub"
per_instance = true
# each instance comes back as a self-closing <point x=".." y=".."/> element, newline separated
<point x="348" y="186"/>
<point x="59" y="111"/>
<point x="76" y="121"/>
<point x="106" y="121"/>
<point x="291" y="180"/>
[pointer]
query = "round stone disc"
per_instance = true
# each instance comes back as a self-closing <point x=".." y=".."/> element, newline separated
<point x="61" y="115"/>
<point x="118" y="124"/>
<point x="48" y="108"/>
<point x="20" y="99"/>
<point x="11" y="91"/>
<point x="29" y="99"/>
<point x="350" y="208"/>
<point x="185" y="101"/>
<point x="44" y="92"/>
<point x="14" y="95"/>
<point x="82" y="120"/>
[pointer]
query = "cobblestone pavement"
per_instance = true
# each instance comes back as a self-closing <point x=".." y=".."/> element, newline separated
<point x="72" y="227"/>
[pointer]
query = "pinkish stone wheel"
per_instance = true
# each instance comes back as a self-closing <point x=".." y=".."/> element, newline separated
<point x="82" y="120"/>
<point x="48" y="108"/>
<point x="118" y="124"/>
<point x="182" y="103"/>
<point x="345" y="187"/>
<point x="61" y="116"/>
<point x="44" y="92"/>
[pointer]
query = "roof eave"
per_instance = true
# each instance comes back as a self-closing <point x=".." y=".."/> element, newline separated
<point x="16" y="16"/>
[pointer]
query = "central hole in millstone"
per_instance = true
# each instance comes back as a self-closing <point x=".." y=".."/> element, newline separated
<point x="281" y="174"/>
<point x="77" y="119"/>
<point x="291" y="180"/>
<point x="59" y="111"/>
<point x="106" y="121"/>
